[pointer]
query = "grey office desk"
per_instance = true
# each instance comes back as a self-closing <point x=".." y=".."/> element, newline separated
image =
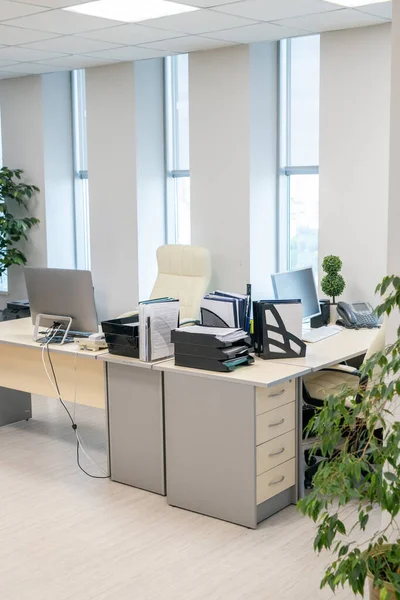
<point x="232" y="439"/>
<point x="135" y="423"/>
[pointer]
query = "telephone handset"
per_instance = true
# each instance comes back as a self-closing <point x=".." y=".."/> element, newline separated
<point x="357" y="316"/>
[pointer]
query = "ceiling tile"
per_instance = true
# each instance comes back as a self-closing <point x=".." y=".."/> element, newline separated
<point x="8" y="75"/>
<point x="126" y="53"/>
<point x="11" y="10"/>
<point x="12" y="36"/>
<point x="256" y="33"/>
<point x="54" y="3"/>
<point x="204" y="3"/>
<point x="201" y="21"/>
<point x="77" y="62"/>
<point x="19" y="54"/>
<point x="272" y="10"/>
<point x="5" y="63"/>
<point x="71" y="44"/>
<point x="32" y="68"/>
<point x="62" y="22"/>
<point x="383" y="9"/>
<point x="189" y="43"/>
<point x="131" y="34"/>
<point x="339" y="19"/>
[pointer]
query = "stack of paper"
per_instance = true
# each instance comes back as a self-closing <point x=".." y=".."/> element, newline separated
<point x="224" y="334"/>
<point x="226" y="310"/>
<point x="157" y="318"/>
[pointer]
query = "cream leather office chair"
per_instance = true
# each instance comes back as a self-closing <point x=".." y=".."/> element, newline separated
<point x="320" y="385"/>
<point x="184" y="272"/>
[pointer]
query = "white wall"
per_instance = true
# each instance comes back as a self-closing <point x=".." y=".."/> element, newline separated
<point x="23" y="147"/>
<point x="354" y="154"/>
<point x="232" y="99"/>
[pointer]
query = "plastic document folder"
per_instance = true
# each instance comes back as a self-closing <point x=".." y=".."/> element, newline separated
<point x="157" y="318"/>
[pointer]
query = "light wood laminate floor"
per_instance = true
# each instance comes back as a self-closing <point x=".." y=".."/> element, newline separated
<point x="64" y="536"/>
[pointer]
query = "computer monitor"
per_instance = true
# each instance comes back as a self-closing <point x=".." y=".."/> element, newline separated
<point x="65" y="293"/>
<point x="298" y="285"/>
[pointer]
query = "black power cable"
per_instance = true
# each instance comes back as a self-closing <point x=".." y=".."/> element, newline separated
<point x="74" y="425"/>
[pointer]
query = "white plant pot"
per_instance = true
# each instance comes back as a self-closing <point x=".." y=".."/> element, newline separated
<point x="333" y="314"/>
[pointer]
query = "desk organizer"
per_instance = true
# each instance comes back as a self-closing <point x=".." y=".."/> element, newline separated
<point x="122" y="336"/>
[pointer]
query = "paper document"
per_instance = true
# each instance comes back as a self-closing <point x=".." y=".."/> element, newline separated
<point x="224" y="334"/>
<point x="156" y="321"/>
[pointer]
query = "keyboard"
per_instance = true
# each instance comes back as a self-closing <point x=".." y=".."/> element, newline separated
<point x="317" y="335"/>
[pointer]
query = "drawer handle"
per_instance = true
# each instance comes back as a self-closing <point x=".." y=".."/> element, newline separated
<point x="277" y="481"/>
<point x="276" y="395"/>
<point x="281" y="422"/>
<point x="281" y="451"/>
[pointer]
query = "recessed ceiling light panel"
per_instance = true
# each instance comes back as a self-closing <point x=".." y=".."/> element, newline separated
<point x="131" y="11"/>
<point x="356" y="3"/>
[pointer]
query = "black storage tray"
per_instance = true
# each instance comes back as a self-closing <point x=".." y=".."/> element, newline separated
<point x="201" y="339"/>
<point x="122" y="336"/>
<point x="209" y="351"/>
<point x="207" y="364"/>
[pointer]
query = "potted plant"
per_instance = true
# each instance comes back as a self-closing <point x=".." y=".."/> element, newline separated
<point x="359" y="437"/>
<point x="332" y="284"/>
<point x="14" y="194"/>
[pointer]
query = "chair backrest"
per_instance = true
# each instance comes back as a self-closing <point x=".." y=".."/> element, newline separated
<point x="378" y="343"/>
<point x="184" y="272"/>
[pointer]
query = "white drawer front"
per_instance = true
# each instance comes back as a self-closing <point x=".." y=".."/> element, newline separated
<point x="271" y="398"/>
<point x="276" y="480"/>
<point x="276" y="422"/>
<point x="277" y="451"/>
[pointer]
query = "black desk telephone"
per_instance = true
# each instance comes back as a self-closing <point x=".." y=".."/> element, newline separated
<point x="357" y="316"/>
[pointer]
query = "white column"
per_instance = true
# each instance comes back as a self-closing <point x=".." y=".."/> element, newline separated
<point x="59" y="169"/>
<point x="233" y="162"/>
<point x="126" y="181"/>
<point x="23" y="148"/>
<point x="354" y="155"/>
<point x="393" y="247"/>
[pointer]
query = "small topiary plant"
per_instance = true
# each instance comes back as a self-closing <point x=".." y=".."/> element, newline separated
<point x="332" y="283"/>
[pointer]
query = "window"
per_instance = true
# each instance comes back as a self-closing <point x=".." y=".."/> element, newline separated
<point x="177" y="148"/>
<point x="82" y="225"/>
<point x="299" y="156"/>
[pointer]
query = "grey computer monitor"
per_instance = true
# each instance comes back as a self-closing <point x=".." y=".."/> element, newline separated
<point x="298" y="285"/>
<point x="65" y="293"/>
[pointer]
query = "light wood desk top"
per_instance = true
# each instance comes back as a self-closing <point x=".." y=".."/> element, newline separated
<point x="263" y="373"/>
<point x="347" y="344"/>
<point x="19" y="332"/>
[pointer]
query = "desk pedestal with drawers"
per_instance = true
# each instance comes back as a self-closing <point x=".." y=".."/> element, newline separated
<point x="231" y="440"/>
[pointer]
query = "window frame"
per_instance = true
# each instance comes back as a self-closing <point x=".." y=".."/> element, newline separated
<point x="285" y="137"/>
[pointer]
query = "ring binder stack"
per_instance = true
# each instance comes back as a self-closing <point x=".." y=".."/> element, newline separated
<point x="212" y="349"/>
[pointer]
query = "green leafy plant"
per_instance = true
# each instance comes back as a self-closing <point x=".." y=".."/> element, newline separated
<point x="332" y="283"/>
<point x="359" y="438"/>
<point x="14" y="195"/>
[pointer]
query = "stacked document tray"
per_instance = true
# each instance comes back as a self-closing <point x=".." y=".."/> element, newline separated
<point x="211" y="348"/>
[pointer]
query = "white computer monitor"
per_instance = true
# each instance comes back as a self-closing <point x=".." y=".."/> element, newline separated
<point x="298" y="284"/>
